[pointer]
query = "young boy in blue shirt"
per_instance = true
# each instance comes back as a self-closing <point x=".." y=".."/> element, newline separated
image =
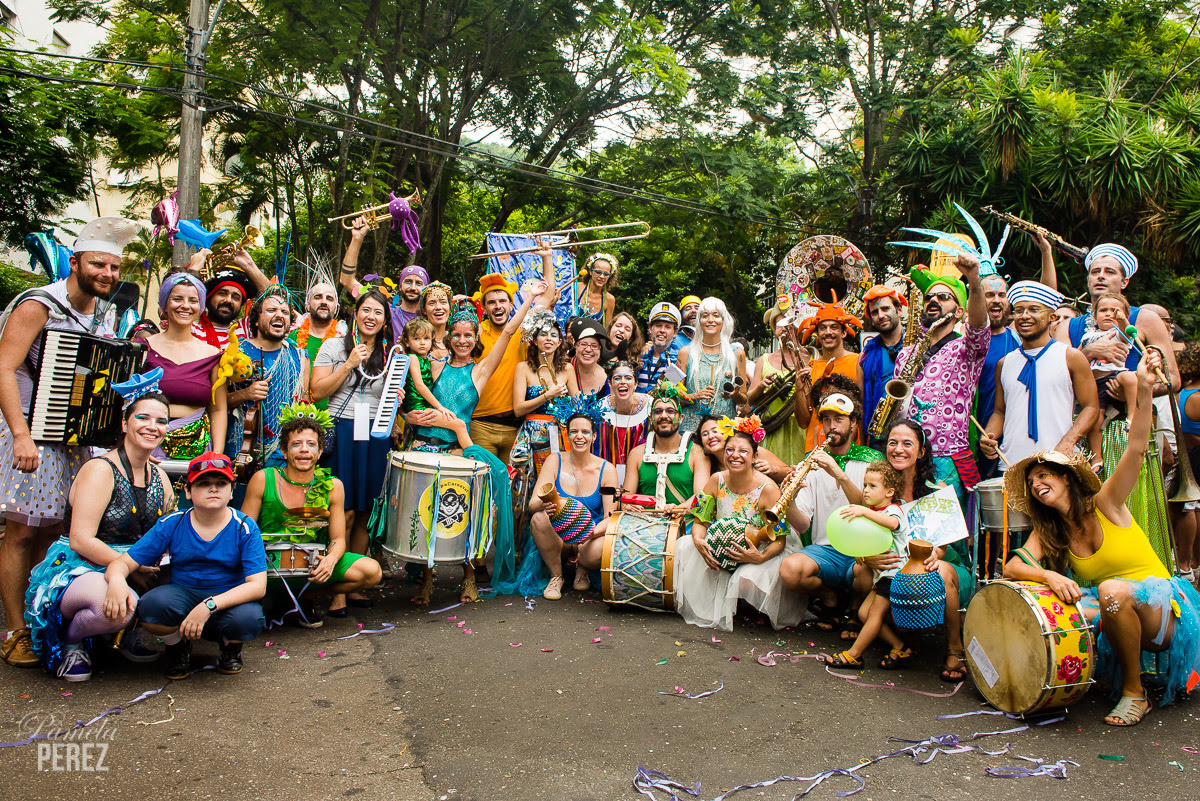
<point x="218" y="573"/>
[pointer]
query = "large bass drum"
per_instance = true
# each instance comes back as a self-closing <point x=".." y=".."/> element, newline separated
<point x="422" y="486"/>
<point x="1027" y="650"/>
<point x="638" y="566"/>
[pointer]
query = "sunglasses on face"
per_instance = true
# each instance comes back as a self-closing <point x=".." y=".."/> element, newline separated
<point x="941" y="297"/>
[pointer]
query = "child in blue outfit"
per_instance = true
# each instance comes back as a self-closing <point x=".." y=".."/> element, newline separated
<point x="218" y="573"/>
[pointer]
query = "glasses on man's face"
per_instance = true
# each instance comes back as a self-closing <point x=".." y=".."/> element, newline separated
<point x="1031" y="311"/>
<point x="941" y="297"/>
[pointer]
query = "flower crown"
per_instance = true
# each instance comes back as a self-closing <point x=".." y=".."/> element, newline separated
<point x="381" y="284"/>
<point x="747" y="425"/>
<point x="306" y="410"/>
<point x="595" y="257"/>
<point x="585" y="403"/>
<point x="667" y="391"/>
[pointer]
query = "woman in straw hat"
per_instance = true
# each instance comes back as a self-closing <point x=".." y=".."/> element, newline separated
<point x="1083" y="528"/>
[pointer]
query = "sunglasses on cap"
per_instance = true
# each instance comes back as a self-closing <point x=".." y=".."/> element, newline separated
<point x="221" y="463"/>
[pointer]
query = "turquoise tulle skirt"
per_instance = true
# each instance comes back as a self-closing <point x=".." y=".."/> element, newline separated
<point x="1171" y="669"/>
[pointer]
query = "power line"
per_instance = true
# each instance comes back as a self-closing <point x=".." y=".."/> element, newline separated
<point x="484" y="158"/>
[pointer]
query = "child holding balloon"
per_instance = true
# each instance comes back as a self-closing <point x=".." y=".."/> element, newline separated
<point x="881" y="485"/>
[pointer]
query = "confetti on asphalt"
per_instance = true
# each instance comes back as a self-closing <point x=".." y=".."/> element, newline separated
<point x="681" y="653"/>
<point x="661" y="662"/>
<point x="714" y="639"/>
<point x="595" y="639"/>
<point x="515" y="644"/>
<point x="1111" y="757"/>
<point x="547" y="650"/>
<point x="1176" y="764"/>
<point x="680" y="693"/>
<point x="320" y="654"/>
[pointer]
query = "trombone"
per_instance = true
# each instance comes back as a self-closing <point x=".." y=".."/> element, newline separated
<point x="566" y="244"/>
<point x="376" y="215"/>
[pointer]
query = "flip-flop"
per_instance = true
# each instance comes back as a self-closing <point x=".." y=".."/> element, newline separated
<point x="962" y="669"/>
<point x="1127" y="713"/>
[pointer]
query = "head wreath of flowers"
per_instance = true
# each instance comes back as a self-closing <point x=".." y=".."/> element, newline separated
<point x="307" y="411"/>
<point x="667" y="391"/>
<point x="747" y="425"/>
<point x="586" y="404"/>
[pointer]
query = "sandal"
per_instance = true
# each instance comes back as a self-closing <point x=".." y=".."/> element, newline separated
<point x="958" y="672"/>
<point x="850" y="629"/>
<point x="844" y="659"/>
<point x="896" y="658"/>
<point x="827" y="616"/>
<point x="425" y="593"/>
<point x="470" y="593"/>
<point x="1127" y="713"/>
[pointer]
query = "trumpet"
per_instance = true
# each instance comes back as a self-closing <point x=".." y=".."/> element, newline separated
<point x="567" y="244"/>
<point x="787" y="493"/>
<point x="376" y="215"/>
<point x="1056" y="241"/>
<point x="216" y="261"/>
<point x="545" y="374"/>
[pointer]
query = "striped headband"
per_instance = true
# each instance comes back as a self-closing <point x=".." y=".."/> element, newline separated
<point x="1129" y="262"/>
<point x="1035" y="292"/>
<point x="175" y="279"/>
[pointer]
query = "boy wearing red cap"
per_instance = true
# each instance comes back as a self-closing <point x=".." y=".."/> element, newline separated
<point x="218" y="573"/>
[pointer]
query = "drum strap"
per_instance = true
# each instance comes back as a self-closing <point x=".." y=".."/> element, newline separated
<point x="1026" y="557"/>
<point x="663" y="460"/>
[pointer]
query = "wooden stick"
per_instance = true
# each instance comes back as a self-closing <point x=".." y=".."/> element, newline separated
<point x="982" y="430"/>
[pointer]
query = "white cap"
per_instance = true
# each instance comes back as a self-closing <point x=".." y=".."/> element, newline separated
<point x="107" y="235"/>
<point x="664" y="309"/>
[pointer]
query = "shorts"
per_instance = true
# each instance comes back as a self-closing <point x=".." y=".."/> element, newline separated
<point x="834" y="568"/>
<point x="169" y="604"/>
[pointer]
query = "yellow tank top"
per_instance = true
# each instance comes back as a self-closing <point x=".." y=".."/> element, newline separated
<point x="1124" y="553"/>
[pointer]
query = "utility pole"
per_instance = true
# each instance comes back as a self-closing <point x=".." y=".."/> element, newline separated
<point x="191" y="121"/>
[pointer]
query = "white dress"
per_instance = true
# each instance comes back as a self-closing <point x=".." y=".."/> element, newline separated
<point x="708" y="598"/>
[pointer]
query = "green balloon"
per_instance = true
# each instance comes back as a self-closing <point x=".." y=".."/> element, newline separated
<point x="857" y="537"/>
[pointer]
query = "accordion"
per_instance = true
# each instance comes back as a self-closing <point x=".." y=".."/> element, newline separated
<point x="73" y="400"/>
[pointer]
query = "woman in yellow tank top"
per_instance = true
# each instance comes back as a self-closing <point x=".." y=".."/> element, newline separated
<point x="1084" y="528"/>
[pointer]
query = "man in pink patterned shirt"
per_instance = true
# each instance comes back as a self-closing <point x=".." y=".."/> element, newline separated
<point x="944" y="388"/>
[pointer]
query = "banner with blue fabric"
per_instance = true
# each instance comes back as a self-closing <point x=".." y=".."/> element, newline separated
<point x="522" y="267"/>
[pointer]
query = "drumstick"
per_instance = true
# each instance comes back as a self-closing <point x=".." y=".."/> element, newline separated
<point x="1007" y="464"/>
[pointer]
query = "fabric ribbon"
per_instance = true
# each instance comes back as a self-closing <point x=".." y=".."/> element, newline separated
<point x="1028" y="377"/>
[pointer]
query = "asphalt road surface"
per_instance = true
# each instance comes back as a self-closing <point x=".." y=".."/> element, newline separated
<point x="564" y="700"/>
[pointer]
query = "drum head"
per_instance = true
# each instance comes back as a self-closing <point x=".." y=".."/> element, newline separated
<point x="1006" y="648"/>
<point x="429" y="462"/>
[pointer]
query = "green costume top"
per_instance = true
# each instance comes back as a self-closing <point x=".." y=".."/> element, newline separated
<point x="413" y="402"/>
<point x="271" y="520"/>
<point x="666" y="475"/>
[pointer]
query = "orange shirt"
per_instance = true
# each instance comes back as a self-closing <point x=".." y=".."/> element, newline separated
<point x="843" y="365"/>
<point x="497" y="395"/>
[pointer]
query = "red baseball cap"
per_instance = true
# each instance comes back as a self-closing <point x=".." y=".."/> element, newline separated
<point x="210" y="462"/>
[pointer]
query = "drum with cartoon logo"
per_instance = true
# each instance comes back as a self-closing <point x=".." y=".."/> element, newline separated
<point x="424" y="487"/>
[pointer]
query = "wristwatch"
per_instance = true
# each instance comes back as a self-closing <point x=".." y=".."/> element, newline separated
<point x="212" y="605"/>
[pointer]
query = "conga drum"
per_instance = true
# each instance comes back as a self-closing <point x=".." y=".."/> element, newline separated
<point x="1027" y="650"/>
<point x="638" y="565"/>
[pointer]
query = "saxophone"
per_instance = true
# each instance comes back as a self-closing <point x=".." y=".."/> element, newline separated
<point x="787" y="494"/>
<point x="897" y="391"/>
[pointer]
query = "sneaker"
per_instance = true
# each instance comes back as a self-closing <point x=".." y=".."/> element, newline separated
<point x="553" y="590"/>
<point x="583" y="580"/>
<point x="230" y="660"/>
<point x="76" y="665"/>
<point x="309" y="618"/>
<point x="17" y="650"/>
<point x="138" y="646"/>
<point x="179" y="660"/>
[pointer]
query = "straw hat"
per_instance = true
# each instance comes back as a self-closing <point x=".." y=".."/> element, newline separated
<point x="1018" y="488"/>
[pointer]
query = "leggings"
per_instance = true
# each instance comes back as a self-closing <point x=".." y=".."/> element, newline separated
<point x="83" y="609"/>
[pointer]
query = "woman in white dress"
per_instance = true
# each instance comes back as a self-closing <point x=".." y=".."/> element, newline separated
<point x="705" y="593"/>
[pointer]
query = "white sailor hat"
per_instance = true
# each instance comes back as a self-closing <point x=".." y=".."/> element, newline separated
<point x="107" y="235"/>
<point x="665" y="311"/>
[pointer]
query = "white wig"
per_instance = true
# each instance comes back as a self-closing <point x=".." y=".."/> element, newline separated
<point x="728" y="359"/>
